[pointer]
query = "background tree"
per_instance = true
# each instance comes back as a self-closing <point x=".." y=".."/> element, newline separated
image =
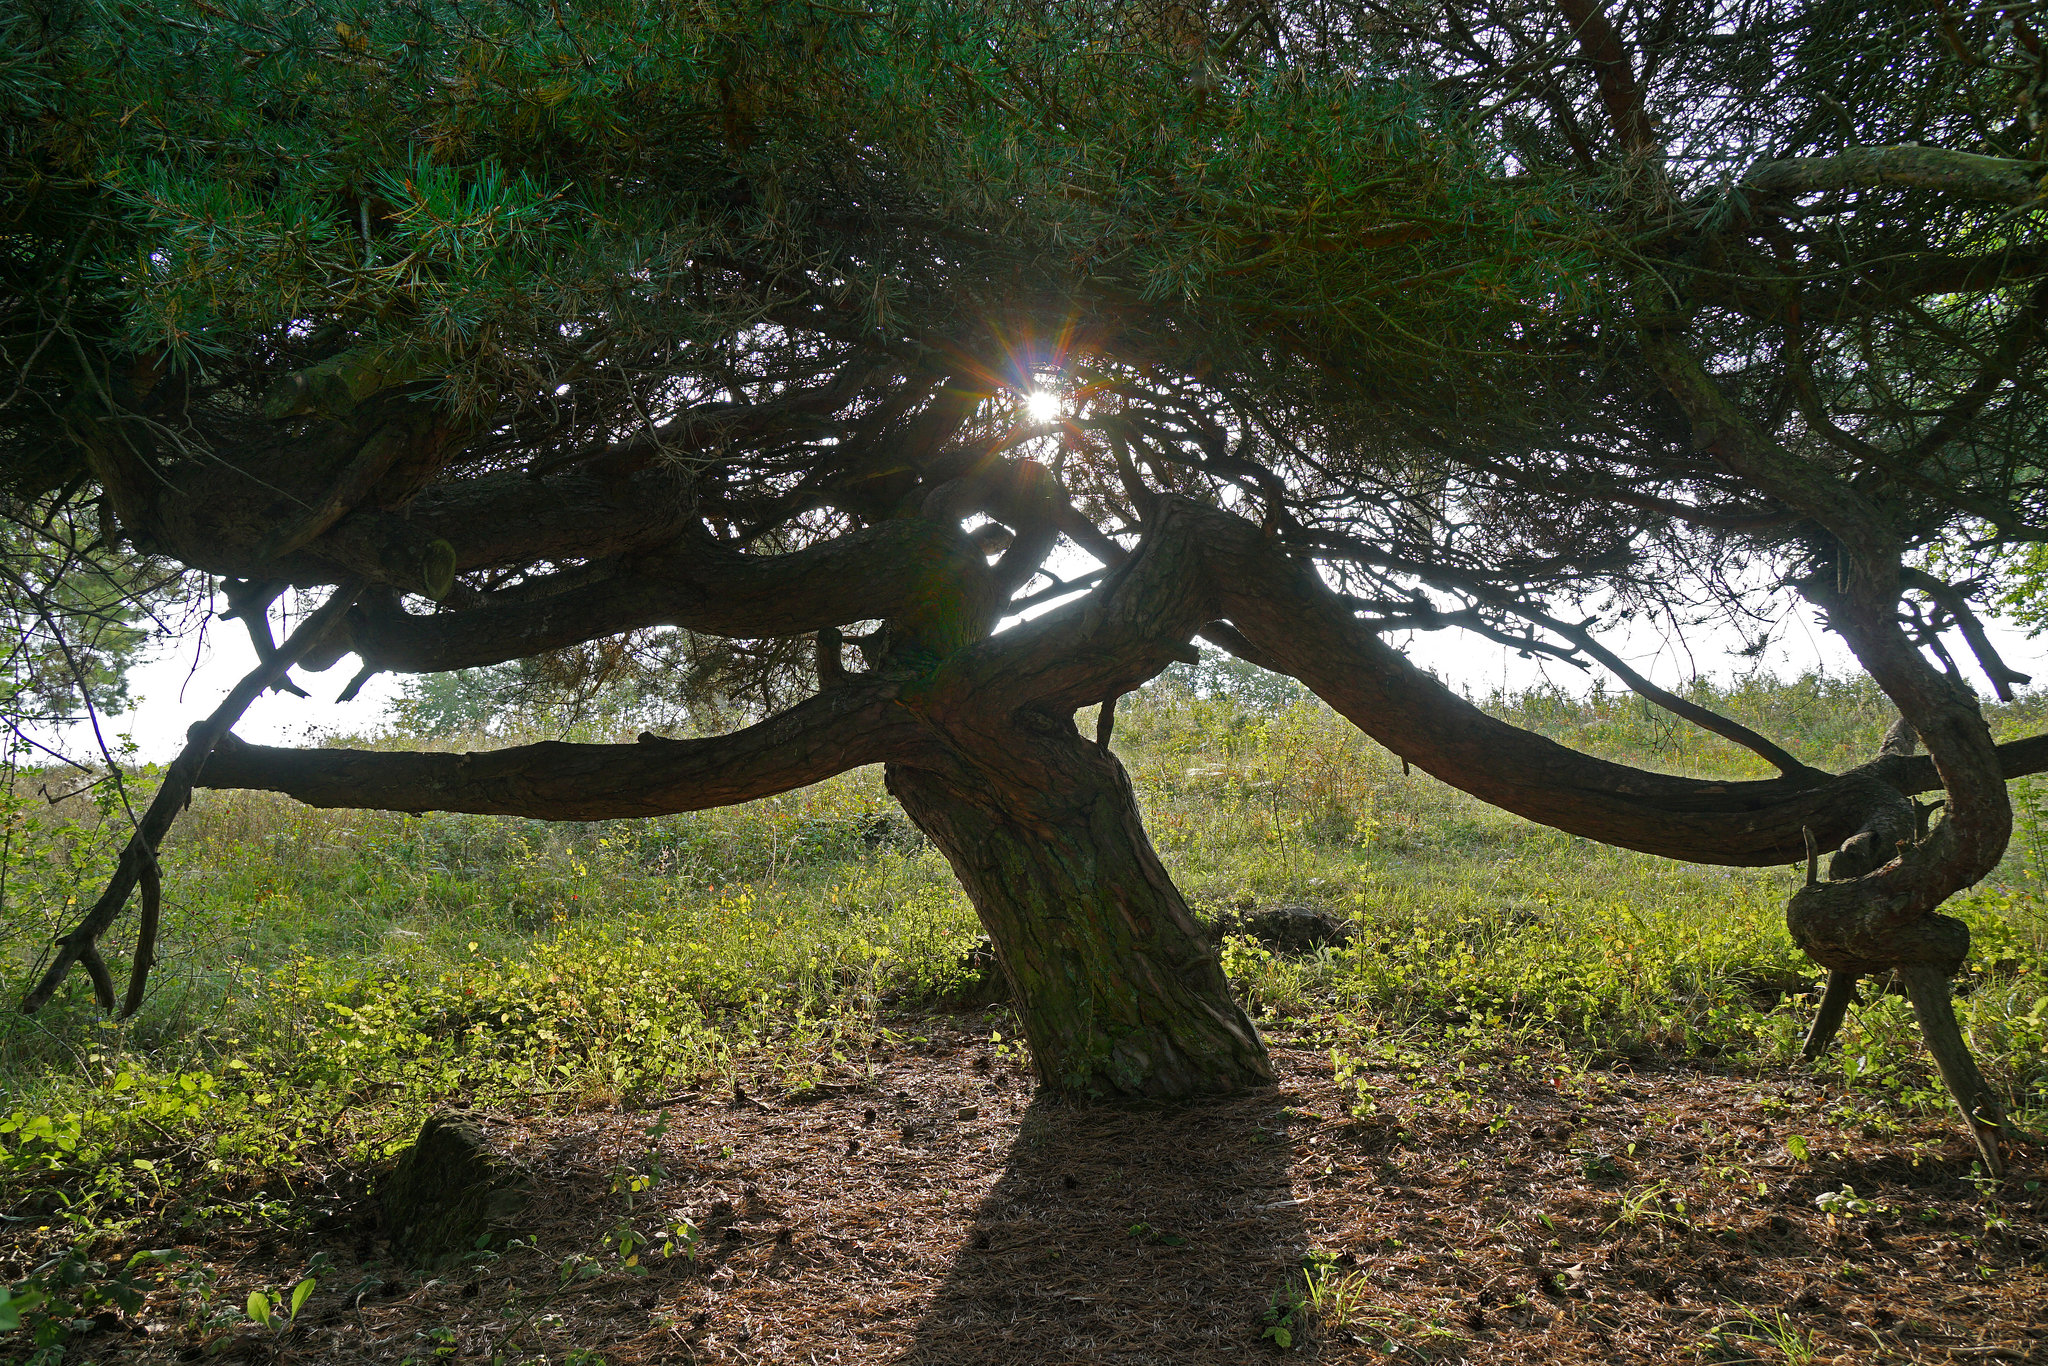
<point x="664" y="680"/>
<point x="76" y="615"/>
<point x="802" y="327"/>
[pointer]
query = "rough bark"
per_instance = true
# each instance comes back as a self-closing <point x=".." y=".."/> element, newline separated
<point x="837" y="730"/>
<point x="1118" y="989"/>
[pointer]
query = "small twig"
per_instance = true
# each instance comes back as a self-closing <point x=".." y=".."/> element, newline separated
<point x="48" y="616"/>
<point x="667" y="1101"/>
<point x="1060" y="588"/>
<point x="1725" y="727"/>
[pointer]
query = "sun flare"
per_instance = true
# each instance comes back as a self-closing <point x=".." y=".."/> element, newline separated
<point x="1042" y="404"/>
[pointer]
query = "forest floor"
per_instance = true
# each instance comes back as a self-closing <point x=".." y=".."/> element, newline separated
<point x="922" y="1207"/>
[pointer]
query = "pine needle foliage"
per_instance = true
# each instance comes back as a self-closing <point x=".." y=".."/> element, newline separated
<point x="509" y="198"/>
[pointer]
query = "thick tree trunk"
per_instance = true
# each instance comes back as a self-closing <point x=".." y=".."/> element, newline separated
<point x="1883" y="915"/>
<point x="1118" y="989"/>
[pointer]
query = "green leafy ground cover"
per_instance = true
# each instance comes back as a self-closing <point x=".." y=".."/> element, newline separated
<point x="332" y="976"/>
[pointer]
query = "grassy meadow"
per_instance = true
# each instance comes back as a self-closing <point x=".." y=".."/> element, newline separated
<point x="329" y="976"/>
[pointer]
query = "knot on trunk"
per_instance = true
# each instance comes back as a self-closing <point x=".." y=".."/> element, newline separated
<point x="1848" y="924"/>
<point x="1842" y="926"/>
<point x="1889" y="821"/>
<point x="1899" y="739"/>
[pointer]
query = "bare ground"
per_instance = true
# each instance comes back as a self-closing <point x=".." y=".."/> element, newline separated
<point x="928" y="1211"/>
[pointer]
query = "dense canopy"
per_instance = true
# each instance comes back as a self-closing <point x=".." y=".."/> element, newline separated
<point x="798" y="326"/>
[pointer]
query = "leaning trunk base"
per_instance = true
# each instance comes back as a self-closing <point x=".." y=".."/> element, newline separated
<point x="1118" y="989"/>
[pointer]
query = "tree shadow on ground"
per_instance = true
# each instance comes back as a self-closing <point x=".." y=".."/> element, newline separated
<point x="1128" y="1233"/>
<point x="917" y="1210"/>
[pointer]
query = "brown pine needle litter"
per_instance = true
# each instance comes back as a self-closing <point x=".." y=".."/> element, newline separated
<point x="924" y="1208"/>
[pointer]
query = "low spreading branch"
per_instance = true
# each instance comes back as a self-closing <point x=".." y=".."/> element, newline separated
<point x="860" y="722"/>
<point x="1198" y="564"/>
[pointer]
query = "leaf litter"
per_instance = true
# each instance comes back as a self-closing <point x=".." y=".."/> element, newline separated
<point x="921" y="1206"/>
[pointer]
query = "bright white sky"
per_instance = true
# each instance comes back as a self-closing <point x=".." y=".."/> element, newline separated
<point x="184" y="681"/>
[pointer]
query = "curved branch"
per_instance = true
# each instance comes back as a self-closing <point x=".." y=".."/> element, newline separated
<point x="1289" y="613"/>
<point x="502" y="519"/>
<point x="1198" y="564"/>
<point x="846" y="727"/>
<point x="912" y="570"/>
<point x="2001" y="674"/>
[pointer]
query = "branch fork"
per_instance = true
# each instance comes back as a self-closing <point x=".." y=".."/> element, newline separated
<point x="138" y="863"/>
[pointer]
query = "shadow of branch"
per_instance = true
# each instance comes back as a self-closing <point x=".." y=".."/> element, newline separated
<point x="1131" y="1233"/>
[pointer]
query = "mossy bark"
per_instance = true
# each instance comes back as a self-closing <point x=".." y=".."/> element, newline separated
<point x="1118" y="989"/>
<point x="452" y="1193"/>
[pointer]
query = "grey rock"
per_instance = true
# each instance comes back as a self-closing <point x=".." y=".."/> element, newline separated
<point x="1295" y="927"/>
<point x="453" y="1193"/>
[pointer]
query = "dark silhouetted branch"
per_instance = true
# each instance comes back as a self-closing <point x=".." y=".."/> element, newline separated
<point x="79" y="945"/>
<point x="844" y="727"/>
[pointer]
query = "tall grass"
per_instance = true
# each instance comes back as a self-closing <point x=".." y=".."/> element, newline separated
<point x="1830" y="722"/>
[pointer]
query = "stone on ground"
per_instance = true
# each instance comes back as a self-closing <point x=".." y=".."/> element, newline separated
<point x="452" y="1193"/>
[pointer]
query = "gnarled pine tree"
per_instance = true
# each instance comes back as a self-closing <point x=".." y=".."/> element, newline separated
<point x="526" y="327"/>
